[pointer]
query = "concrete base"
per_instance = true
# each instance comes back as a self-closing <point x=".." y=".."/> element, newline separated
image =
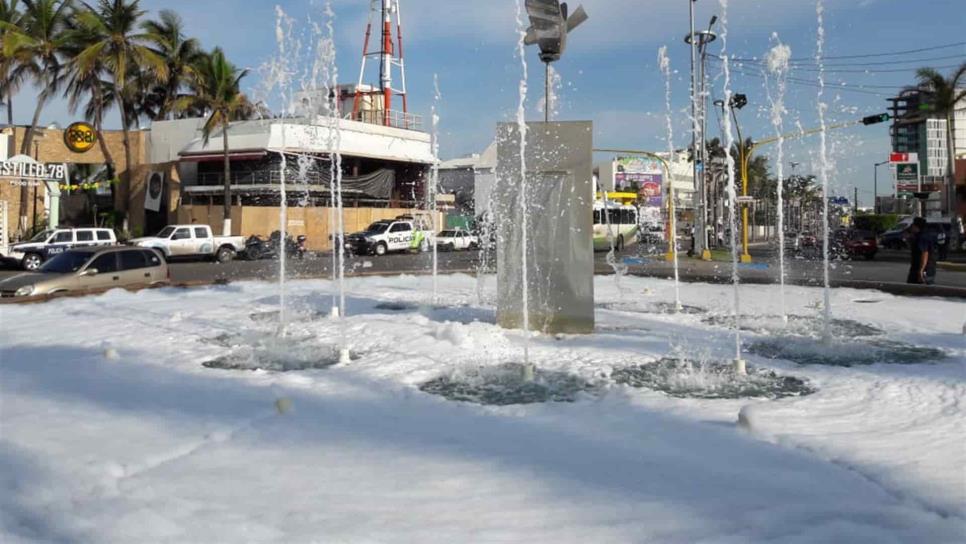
<point x="559" y="227"/>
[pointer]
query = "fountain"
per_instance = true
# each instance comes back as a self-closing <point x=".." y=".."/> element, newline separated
<point x="433" y="186"/>
<point x="777" y="61"/>
<point x="683" y="378"/>
<point x="732" y="192"/>
<point x="665" y="65"/>
<point x="508" y="384"/>
<point x="823" y="168"/>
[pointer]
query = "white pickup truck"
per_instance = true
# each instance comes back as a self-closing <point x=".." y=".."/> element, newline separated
<point x="187" y="241"/>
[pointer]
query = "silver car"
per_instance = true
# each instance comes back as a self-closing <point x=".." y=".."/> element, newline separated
<point x="90" y="269"/>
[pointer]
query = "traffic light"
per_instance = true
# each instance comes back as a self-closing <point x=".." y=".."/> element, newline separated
<point x="875" y="119"/>
<point x="739" y="101"/>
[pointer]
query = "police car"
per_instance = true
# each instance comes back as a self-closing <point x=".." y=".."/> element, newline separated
<point x="50" y="243"/>
<point x="391" y="235"/>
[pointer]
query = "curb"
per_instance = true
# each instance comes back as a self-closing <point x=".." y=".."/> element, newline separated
<point x="951" y="267"/>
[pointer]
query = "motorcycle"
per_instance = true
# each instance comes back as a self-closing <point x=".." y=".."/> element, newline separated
<point x="258" y="248"/>
<point x="300" y="246"/>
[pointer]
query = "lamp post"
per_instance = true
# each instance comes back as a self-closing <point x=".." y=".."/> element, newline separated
<point x="875" y="187"/>
<point x="700" y="41"/>
<point x="737" y="102"/>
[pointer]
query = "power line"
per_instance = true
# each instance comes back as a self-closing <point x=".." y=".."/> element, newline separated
<point x="839" y="71"/>
<point x="813" y="62"/>
<point x="873" y="55"/>
<point x="840" y="86"/>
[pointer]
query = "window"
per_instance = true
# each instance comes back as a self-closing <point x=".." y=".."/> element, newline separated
<point x="201" y="232"/>
<point x="182" y="234"/>
<point x="104" y="235"/>
<point x="63" y="237"/>
<point x="597" y="217"/>
<point x="66" y="263"/>
<point x="400" y="227"/>
<point x="105" y="264"/>
<point x="151" y="258"/>
<point x="614" y="215"/>
<point x="132" y="260"/>
<point x="85" y="236"/>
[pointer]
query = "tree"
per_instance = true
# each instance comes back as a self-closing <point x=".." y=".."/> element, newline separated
<point x="216" y="87"/>
<point x="946" y="93"/>
<point x="93" y="86"/>
<point x="180" y="54"/>
<point x="36" y="46"/>
<point x="123" y="51"/>
<point x="11" y="74"/>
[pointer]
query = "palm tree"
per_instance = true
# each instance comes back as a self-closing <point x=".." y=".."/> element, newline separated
<point x="946" y="93"/>
<point x="123" y="51"/>
<point x="180" y="55"/>
<point x="11" y="76"/>
<point x="216" y="87"/>
<point x="93" y="86"/>
<point x="37" y="47"/>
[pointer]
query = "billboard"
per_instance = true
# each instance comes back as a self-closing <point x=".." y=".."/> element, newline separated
<point x="644" y="174"/>
<point x="907" y="178"/>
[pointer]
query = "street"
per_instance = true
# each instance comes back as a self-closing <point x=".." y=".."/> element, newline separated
<point x="889" y="267"/>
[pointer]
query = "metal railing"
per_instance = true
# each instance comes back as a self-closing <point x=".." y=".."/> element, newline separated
<point x="392" y="118"/>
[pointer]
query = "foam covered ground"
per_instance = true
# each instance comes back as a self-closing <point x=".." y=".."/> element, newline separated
<point x="112" y="430"/>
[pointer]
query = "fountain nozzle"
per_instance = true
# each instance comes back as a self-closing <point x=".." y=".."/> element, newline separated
<point x="741" y="367"/>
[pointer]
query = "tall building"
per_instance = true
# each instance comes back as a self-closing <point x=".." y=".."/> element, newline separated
<point x="917" y="128"/>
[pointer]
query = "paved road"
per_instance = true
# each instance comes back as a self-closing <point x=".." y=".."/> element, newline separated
<point x="891" y="268"/>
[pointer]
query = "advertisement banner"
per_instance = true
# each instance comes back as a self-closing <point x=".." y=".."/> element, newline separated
<point x="645" y="174"/>
<point x="153" y="191"/>
<point x="907" y="178"/>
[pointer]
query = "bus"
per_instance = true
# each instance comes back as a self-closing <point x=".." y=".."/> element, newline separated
<point x="615" y="225"/>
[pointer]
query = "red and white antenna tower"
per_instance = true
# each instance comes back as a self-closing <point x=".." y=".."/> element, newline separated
<point x="390" y="57"/>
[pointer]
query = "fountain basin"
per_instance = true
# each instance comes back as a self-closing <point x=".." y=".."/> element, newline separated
<point x="682" y="378"/>
<point x="844" y="352"/>
<point x="798" y="325"/>
<point x="508" y="384"/>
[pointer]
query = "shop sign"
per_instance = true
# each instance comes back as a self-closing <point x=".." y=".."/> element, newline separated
<point x="80" y="137"/>
<point x="23" y="170"/>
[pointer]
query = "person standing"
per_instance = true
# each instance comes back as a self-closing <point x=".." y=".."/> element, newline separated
<point x="922" y="266"/>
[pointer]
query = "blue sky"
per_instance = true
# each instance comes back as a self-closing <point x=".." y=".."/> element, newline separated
<point x="610" y="73"/>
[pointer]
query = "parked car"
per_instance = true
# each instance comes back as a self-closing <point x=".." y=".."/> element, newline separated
<point x="942" y="228"/>
<point x="50" y="243"/>
<point x="193" y="241"/>
<point x="90" y="268"/>
<point x="860" y="243"/>
<point x="392" y="235"/>
<point x="895" y="238"/>
<point x="456" y="240"/>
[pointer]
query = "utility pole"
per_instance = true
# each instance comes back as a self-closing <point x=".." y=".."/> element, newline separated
<point x="698" y="182"/>
<point x="875" y="187"/>
<point x="855" y="203"/>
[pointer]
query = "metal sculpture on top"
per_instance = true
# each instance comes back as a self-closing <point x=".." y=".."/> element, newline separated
<point x="549" y="25"/>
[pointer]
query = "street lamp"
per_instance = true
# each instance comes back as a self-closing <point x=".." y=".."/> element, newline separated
<point x="737" y="102"/>
<point x="875" y="187"/>
<point x="700" y="41"/>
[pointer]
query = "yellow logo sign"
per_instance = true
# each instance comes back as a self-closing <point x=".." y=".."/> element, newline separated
<point x="80" y="137"/>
